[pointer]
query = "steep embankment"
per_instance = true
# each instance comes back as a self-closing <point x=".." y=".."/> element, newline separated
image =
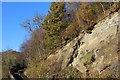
<point x="92" y="55"/>
<point x="95" y="54"/>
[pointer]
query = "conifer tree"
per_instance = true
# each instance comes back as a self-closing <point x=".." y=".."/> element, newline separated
<point x="53" y="24"/>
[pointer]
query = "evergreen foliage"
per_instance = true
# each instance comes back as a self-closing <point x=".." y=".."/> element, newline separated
<point x="53" y="24"/>
<point x="64" y="22"/>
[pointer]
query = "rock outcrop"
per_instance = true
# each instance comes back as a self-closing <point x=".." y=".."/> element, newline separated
<point x="95" y="54"/>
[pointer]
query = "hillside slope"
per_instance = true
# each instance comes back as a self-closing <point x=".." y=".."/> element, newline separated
<point x="96" y="52"/>
<point x="92" y="55"/>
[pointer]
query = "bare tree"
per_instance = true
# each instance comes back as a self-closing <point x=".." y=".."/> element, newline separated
<point x="33" y="24"/>
<point x="102" y="6"/>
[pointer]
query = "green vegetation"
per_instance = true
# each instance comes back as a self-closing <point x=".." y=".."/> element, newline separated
<point x="11" y="58"/>
<point x="63" y="23"/>
<point x="38" y="70"/>
<point x="88" y="60"/>
<point x="43" y="70"/>
<point x="70" y="73"/>
<point x="53" y="24"/>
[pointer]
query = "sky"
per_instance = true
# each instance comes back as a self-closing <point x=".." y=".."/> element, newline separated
<point x="13" y="14"/>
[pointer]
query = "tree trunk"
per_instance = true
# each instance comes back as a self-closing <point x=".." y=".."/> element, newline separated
<point x="102" y="7"/>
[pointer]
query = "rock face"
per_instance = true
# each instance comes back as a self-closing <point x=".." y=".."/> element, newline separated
<point x="95" y="54"/>
<point x="101" y="45"/>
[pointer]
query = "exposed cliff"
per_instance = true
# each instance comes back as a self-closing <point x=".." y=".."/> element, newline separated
<point x="95" y="54"/>
<point x="92" y="55"/>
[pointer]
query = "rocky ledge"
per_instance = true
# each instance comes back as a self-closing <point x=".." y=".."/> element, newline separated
<point x="95" y="55"/>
